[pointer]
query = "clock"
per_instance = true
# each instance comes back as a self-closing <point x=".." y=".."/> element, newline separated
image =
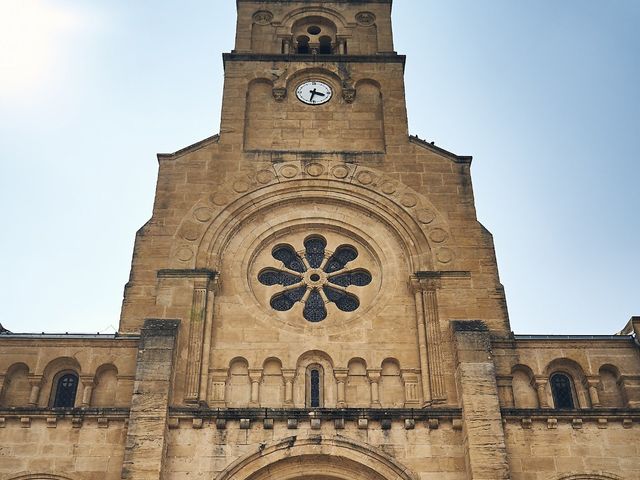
<point x="314" y="92"/>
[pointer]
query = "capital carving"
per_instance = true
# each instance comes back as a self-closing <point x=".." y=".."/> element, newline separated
<point x="424" y="284"/>
<point x="374" y="375"/>
<point x="349" y="94"/>
<point x="279" y="93"/>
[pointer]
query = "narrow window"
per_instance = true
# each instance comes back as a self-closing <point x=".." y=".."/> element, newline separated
<point x="314" y="383"/>
<point x="66" y="388"/>
<point x="303" y="44"/>
<point x="562" y="391"/>
<point x="315" y="388"/>
<point x="325" y="46"/>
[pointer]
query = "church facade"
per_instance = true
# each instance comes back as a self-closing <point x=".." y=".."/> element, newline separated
<point x="314" y="298"/>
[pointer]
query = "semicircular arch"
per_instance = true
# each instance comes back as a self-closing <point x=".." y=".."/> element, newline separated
<point x="420" y="228"/>
<point x="326" y="456"/>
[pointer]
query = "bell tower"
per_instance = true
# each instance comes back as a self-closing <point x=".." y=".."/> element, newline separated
<point x="345" y="46"/>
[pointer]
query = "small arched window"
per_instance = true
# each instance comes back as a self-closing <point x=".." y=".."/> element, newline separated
<point x="315" y="381"/>
<point x="66" y="388"/>
<point x="562" y="390"/>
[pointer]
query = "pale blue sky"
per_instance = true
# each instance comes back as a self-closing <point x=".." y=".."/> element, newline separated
<point x="544" y="94"/>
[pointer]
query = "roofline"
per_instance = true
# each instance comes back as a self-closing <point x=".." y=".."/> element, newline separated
<point x="625" y="338"/>
<point x="68" y="336"/>
<point x="191" y="148"/>
<point x="465" y="159"/>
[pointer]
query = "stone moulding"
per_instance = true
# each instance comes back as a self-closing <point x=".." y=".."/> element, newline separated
<point x="205" y="230"/>
<point x="346" y="458"/>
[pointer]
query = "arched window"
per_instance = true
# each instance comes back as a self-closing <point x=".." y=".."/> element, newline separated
<point x="325" y="45"/>
<point x="562" y="390"/>
<point x="314" y="386"/>
<point x="65" y="394"/>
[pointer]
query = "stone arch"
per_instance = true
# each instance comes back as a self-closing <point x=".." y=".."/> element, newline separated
<point x="418" y="225"/>
<point x="272" y="384"/>
<point x="329" y="387"/>
<point x="52" y="371"/>
<point x="259" y="110"/>
<point x="35" y="476"/>
<point x="391" y="385"/>
<point x="16" y="388"/>
<point x="587" y="476"/>
<point x="358" y="391"/>
<point x="610" y="390"/>
<point x="105" y="386"/>
<point x="238" y="391"/>
<point x="576" y="373"/>
<point x="330" y="456"/>
<point x="524" y="392"/>
<point x="299" y="14"/>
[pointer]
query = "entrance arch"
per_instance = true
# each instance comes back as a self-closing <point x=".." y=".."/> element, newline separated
<point x="316" y="458"/>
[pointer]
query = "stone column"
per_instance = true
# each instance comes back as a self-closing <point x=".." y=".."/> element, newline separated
<point x="145" y="445"/>
<point x="434" y="342"/>
<point x="422" y="341"/>
<point x="484" y="439"/>
<point x="36" y="383"/>
<point x="540" y="383"/>
<point x="200" y="328"/>
<point x="289" y="376"/>
<point x="87" y="390"/>
<point x="341" y="379"/>
<point x="592" y="384"/>
<point x="255" y="375"/>
<point x="374" y="382"/>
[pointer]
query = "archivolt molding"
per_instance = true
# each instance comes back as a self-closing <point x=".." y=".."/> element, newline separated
<point x="205" y="231"/>
<point x="34" y="476"/>
<point x="588" y="476"/>
<point x="347" y="459"/>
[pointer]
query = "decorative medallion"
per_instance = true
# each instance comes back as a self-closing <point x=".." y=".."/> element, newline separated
<point x="315" y="277"/>
<point x="190" y="231"/>
<point x="240" y="186"/>
<point x="409" y="200"/>
<point x="289" y="171"/>
<point x="262" y="17"/>
<point x="444" y="255"/>
<point x="203" y="214"/>
<point x="185" y="254"/>
<point x="365" y="178"/>
<point x="366" y="19"/>
<point x="340" y="171"/>
<point x="388" y="188"/>
<point x="426" y="216"/>
<point x="219" y="199"/>
<point x="315" y="169"/>
<point x="438" y="235"/>
<point x="265" y="176"/>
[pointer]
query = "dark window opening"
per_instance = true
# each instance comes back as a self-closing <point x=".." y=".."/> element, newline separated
<point x="303" y="45"/>
<point x="66" y="391"/>
<point x="325" y="46"/>
<point x="562" y="391"/>
<point x="314" y="30"/>
<point x="314" y="396"/>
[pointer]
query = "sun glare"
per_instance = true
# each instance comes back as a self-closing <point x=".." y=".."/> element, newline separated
<point x="34" y="37"/>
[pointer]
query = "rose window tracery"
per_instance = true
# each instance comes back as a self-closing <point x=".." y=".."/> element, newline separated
<point x="315" y="277"/>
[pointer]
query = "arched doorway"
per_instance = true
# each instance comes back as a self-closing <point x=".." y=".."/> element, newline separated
<point x="316" y="458"/>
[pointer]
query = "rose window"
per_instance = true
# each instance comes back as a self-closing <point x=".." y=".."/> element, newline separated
<point x="315" y="277"/>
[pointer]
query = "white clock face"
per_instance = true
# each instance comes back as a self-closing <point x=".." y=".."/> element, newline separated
<point x="314" y="92"/>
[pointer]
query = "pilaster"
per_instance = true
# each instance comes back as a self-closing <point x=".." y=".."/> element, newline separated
<point x="145" y="446"/>
<point x="484" y="438"/>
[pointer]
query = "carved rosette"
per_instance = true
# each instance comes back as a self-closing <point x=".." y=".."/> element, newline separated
<point x="262" y="17"/>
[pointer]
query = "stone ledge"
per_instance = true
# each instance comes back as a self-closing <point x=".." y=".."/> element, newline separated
<point x="295" y="57"/>
<point x="375" y="414"/>
<point x="185" y="273"/>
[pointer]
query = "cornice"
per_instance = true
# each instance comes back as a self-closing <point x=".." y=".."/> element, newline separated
<point x="262" y="57"/>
